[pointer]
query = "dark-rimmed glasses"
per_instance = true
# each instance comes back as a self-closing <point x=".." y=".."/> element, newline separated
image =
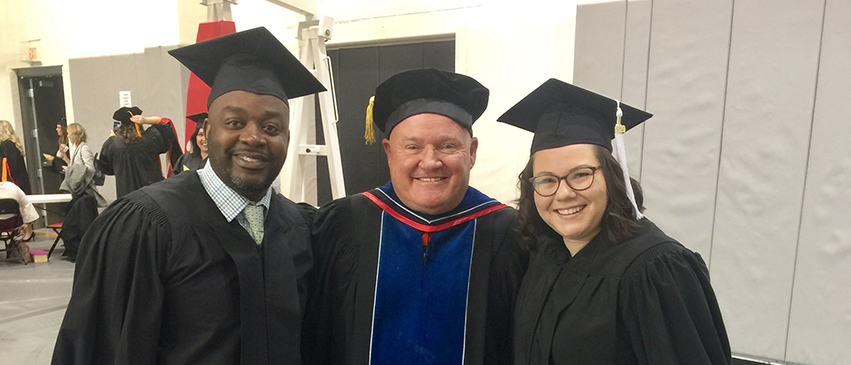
<point x="578" y="179"/>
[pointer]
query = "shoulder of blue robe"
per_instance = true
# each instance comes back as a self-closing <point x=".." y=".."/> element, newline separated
<point x="475" y="204"/>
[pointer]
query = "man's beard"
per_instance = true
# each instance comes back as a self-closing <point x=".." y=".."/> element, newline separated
<point x="251" y="186"/>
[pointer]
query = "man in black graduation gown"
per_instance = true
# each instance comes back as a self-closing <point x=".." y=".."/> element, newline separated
<point x="208" y="267"/>
<point x="425" y="269"/>
<point x="132" y="155"/>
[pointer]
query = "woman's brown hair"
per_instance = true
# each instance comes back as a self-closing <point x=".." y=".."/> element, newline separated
<point x="127" y="132"/>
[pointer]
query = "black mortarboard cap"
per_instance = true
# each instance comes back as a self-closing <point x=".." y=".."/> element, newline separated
<point x="124" y="113"/>
<point x="459" y="97"/>
<point x="198" y="118"/>
<point x="562" y="114"/>
<point x="252" y="60"/>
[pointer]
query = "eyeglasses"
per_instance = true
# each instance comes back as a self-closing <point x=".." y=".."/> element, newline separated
<point x="578" y="179"/>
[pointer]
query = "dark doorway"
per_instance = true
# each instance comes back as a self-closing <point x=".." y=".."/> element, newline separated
<point x="42" y="108"/>
<point x="357" y="71"/>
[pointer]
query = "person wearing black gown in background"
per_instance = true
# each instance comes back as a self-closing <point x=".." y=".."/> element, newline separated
<point x="132" y="155"/>
<point x="60" y="159"/>
<point x="12" y="149"/>
<point x="197" y="155"/>
<point x="605" y="285"/>
<point x="207" y="267"/>
<point x="422" y="270"/>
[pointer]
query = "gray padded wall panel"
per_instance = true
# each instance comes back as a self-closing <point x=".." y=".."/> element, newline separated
<point x="155" y="80"/>
<point x="752" y="96"/>
<point x="771" y="86"/>
<point x="685" y="89"/>
<point x="599" y="47"/>
<point x="820" y="324"/>
<point x="636" y="54"/>
<point x="606" y="64"/>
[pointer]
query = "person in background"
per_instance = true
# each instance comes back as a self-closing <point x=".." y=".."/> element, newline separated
<point x="605" y="285"/>
<point x="79" y="148"/>
<point x="19" y="224"/>
<point x="197" y="155"/>
<point x="132" y="155"/>
<point x="59" y="160"/>
<point x="422" y="270"/>
<point x="12" y="151"/>
<point x="82" y="210"/>
<point x="207" y="267"/>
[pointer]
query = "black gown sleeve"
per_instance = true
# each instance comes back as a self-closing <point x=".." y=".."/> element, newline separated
<point x="670" y="311"/>
<point x="17" y="167"/>
<point x="167" y="140"/>
<point x="116" y="307"/>
<point x="104" y="160"/>
<point x="506" y="274"/>
<point x="334" y="271"/>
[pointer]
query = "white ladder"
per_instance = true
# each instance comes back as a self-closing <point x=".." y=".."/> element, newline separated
<point x="298" y="176"/>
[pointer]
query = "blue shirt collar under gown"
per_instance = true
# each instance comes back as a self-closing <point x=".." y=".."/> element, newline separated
<point x="473" y="201"/>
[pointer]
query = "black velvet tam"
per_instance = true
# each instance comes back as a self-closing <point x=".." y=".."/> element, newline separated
<point x="124" y="113"/>
<point x="459" y="97"/>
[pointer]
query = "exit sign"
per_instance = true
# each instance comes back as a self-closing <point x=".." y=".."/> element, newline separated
<point x="30" y="51"/>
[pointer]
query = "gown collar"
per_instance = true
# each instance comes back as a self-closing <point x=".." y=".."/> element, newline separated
<point x="474" y="204"/>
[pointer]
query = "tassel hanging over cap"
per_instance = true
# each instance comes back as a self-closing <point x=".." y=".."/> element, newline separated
<point x="620" y="156"/>
<point x="138" y="132"/>
<point x="369" y="132"/>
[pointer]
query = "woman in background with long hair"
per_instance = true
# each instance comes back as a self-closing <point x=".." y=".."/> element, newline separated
<point x="132" y="155"/>
<point x="60" y="159"/>
<point x="12" y="151"/>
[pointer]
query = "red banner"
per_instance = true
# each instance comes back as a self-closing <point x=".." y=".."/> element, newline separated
<point x="196" y="95"/>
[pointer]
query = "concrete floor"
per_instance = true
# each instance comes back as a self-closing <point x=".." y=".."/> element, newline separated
<point x="33" y="299"/>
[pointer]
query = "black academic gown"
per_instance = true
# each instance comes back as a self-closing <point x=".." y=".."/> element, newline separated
<point x="136" y="164"/>
<point x="338" y="321"/>
<point x="162" y="278"/>
<point x="188" y="162"/>
<point x="17" y="167"/>
<point x="645" y="301"/>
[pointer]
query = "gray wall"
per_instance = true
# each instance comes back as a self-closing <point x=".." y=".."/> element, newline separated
<point x="746" y="159"/>
<point x="157" y="83"/>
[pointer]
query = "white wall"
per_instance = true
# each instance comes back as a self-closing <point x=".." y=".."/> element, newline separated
<point x="73" y="29"/>
<point x="510" y="49"/>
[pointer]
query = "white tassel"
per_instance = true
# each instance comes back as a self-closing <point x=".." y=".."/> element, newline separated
<point x="620" y="156"/>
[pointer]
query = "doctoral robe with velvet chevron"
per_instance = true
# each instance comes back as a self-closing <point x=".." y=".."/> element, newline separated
<point x="395" y="286"/>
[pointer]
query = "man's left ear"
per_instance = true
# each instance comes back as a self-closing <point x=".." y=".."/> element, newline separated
<point x="474" y="145"/>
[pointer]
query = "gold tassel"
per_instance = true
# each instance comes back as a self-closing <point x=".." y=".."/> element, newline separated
<point x="138" y="132"/>
<point x="619" y="128"/>
<point x="369" y="133"/>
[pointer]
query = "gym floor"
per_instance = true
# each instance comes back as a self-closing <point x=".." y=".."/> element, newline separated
<point x="33" y="299"/>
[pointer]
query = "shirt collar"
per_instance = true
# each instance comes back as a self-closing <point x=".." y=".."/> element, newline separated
<point x="229" y="202"/>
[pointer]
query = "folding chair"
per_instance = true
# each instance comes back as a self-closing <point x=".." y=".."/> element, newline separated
<point x="56" y="227"/>
<point x="10" y="220"/>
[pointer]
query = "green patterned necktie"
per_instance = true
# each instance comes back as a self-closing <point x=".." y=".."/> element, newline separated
<point x="254" y="217"/>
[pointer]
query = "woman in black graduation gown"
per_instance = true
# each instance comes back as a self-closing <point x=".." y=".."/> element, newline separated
<point x="12" y="149"/>
<point x="132" y="155"/>
<point x="195" y="158"/>
<point x="604" y="285"/>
